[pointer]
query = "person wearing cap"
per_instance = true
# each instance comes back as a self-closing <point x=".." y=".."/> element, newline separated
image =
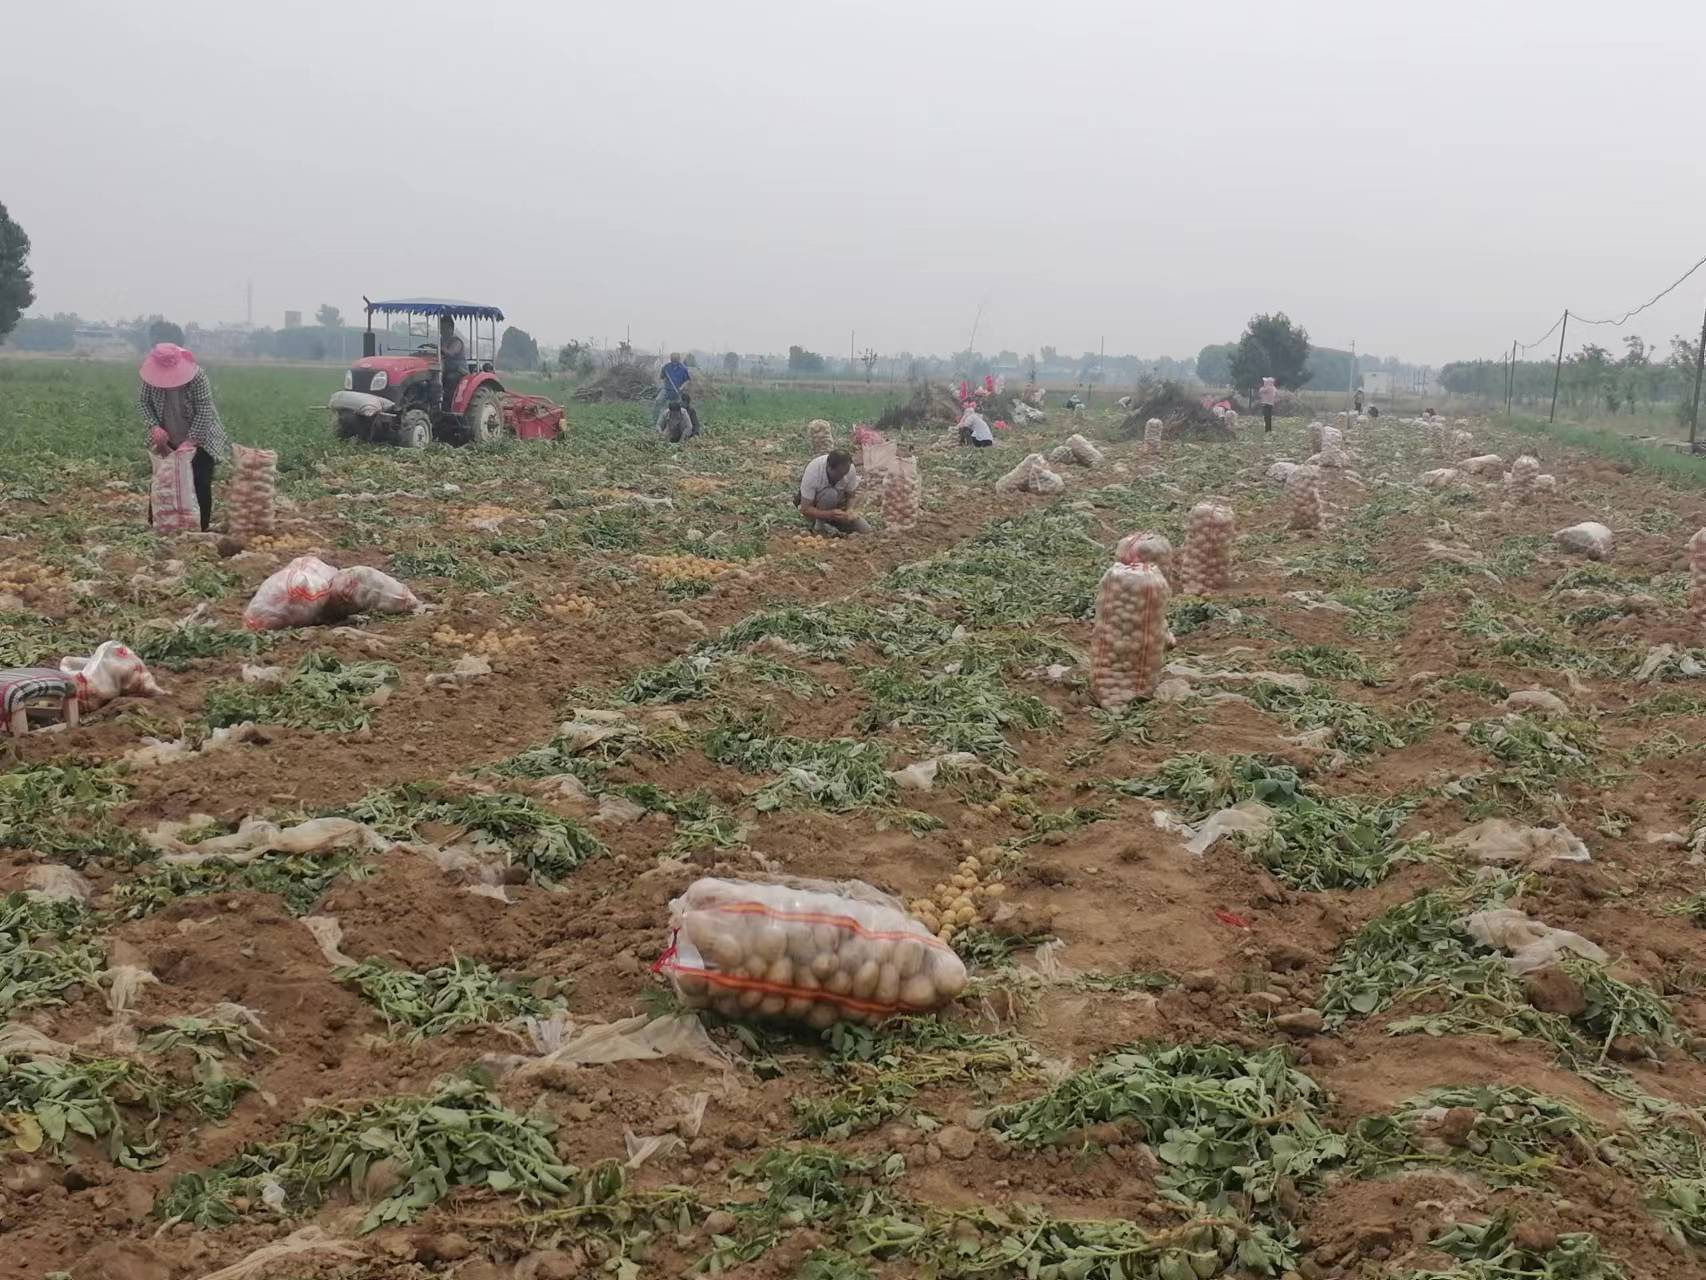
<point x="176" y="403"/>
<point x="1269" y="397"/>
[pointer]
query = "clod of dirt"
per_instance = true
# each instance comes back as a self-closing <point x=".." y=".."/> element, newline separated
<point x="1535" y="1237"/>
<point x="720" y="1223"/>
<point x="451" y="1246"/>
<point x="1285" y="956"/>
<point x="1201" y="980"/>
<point x="956" y="1143"/>
<point x="383" y="1177"/>
<point x="558" y="1264"/>
<point x="1305" y="1022"/>
<point x="121" y="1262"/>
<point x="1454" y="1126"/>
<point x="27" y="1180"/>
<point x="1551" y="990"/>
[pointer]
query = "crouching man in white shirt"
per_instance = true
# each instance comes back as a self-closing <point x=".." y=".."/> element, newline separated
<point x="826" y="496"/>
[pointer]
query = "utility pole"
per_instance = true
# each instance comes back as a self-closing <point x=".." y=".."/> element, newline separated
<point x="1351" y="391"/>
<point x="1558" y="369"/>
<point x="1510" y="379"/>
<point x="1694" y="414"/>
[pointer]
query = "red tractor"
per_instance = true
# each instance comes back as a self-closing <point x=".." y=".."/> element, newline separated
<point x="437" y="384"/>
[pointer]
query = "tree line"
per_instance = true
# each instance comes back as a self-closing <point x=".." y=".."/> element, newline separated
<point x="1592" y="378"/>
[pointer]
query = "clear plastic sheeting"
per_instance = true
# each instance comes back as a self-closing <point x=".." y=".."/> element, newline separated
<point x="1527" y="943"/>
<point x="1501" y="842"/>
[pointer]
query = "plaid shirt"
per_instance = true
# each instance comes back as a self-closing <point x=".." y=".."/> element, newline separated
<point x="205" y="427"/>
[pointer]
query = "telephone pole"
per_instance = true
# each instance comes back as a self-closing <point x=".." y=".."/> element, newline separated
<point x="1694" y="414"/>
<point x="1558" y="369"/>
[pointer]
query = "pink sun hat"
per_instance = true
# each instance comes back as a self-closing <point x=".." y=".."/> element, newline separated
<point x="168" y="366"/>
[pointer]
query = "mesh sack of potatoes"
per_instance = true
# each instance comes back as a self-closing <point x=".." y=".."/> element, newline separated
<point x="1317" y="436"/>
<point x="1083" y="452"/>
<point x="1697" y="578"/>
<point x="1304" y="486"/>
<point x="1060" y="455"/>
<point x="876" y="458"/>
<point x="364" y="589"/>
<point x="1144" y="547"/>
<point x="821" y="435"/>
<point x="1152" y="436"/>
<point x="1590" y="538"/>
<point x="900" y="494"/>
<point x="1020" y="476"/>
<point x="1521" y="477"/>
<point x="839" y="953"/>
<point x="1129" y="639"/>
<point x="253" y="480"/>
<point x="1206" y="562"/>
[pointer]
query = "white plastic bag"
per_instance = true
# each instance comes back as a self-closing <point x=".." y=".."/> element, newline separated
<point x="172" y="495"/>
<point x="764" y="950"/>
<point x="1590" y="538"/>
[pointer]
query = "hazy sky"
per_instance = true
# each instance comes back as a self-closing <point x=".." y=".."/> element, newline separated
<point x="1430" y="180"/>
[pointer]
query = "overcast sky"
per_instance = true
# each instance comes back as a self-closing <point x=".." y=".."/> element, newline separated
<point x="1430" y="180"/>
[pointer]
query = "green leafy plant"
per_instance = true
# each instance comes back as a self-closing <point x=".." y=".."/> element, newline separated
<point x="401" y="1154"/>
<point x="46" y="949"/>
<point x="463" y="993"/>
<point x="300" y="879"/>
<point x="525" y="833"/>
<point x="1227" y="1125"/>
<point x="323" y="693"/>
<point x="1491" y="1251"/>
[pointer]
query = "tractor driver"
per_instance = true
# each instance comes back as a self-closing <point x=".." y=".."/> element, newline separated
<point x="452" y="357"/>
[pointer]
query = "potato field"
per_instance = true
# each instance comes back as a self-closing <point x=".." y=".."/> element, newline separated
<point x="1367" y="939"/>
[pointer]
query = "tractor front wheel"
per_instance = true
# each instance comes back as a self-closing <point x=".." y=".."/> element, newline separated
<point x="484" y="417"/>
<point x="414" y="429"/>
<point x="352" y="426"/>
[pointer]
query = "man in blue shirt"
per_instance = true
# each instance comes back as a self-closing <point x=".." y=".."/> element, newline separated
<point x="672" y="388"/>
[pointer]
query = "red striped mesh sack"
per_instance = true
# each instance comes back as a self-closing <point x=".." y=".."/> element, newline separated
<point x="817" y="955"/>
<point x="1129" y="639"/>
<point x="172" y="494"/>
<point x="295" y="596"/>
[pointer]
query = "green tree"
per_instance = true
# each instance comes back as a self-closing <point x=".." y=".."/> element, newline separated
<point x="16" y="292"/>
<point x="329" y="317"/>
<point x="1271" y="347"/>
<point x="802" y="361"/>
<point x="575" y="358"/>
<point x="1214" y="363"/>
<point x="161" y="330"/>
<point x="731" y="363"/>
<point x="518" y="350"/>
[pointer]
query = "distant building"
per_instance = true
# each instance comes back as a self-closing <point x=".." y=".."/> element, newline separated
<point x="292" y="319"/>
<point x="1377" y="382"/>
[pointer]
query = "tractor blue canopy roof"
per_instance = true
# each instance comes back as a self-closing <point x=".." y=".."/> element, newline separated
<point x="439" y="307"/>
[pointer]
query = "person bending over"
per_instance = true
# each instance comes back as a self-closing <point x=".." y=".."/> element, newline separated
<point x="825" y="499"/>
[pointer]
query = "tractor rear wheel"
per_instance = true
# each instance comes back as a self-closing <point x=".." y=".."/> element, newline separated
<point x="414" y="429"/>
<point x="484" y="417"/>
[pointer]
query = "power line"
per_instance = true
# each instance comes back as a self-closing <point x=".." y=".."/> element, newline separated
<point x="1649" y="302"/>
<point x="1542" y="338"/>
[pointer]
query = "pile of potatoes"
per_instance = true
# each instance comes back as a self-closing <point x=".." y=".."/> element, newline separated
<point x="571" y="608"/>
<point x="959" y="901"/>
<point x="683" y="568"/>
<point x="773" y="951"/>
<point x="30" y="582"/>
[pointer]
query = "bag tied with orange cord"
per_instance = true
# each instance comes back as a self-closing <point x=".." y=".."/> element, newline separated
<point x="805" y="952"/>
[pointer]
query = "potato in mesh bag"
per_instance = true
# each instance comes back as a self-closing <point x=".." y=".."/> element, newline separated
<point x="812" y="955"/>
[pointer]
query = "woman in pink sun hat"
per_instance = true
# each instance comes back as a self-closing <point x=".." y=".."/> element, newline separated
<point x="176" y="403"/>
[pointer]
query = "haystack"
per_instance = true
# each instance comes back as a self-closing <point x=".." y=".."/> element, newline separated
<point x="1180" y="410"/>
<point x="930" y="405"/>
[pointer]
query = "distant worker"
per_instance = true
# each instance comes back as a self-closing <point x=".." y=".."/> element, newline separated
<point x="1357" y="400"/>
<point x="1075" y="403"/>
<point x="974" y="430"/>
<point x="825" y="499"/>
<point x="1269" y="396"/>
<point x="452" y="358"/>
<point x="1374" y="411"/>
<point x="176" y="403"/>
<point x="672" y="390"/>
